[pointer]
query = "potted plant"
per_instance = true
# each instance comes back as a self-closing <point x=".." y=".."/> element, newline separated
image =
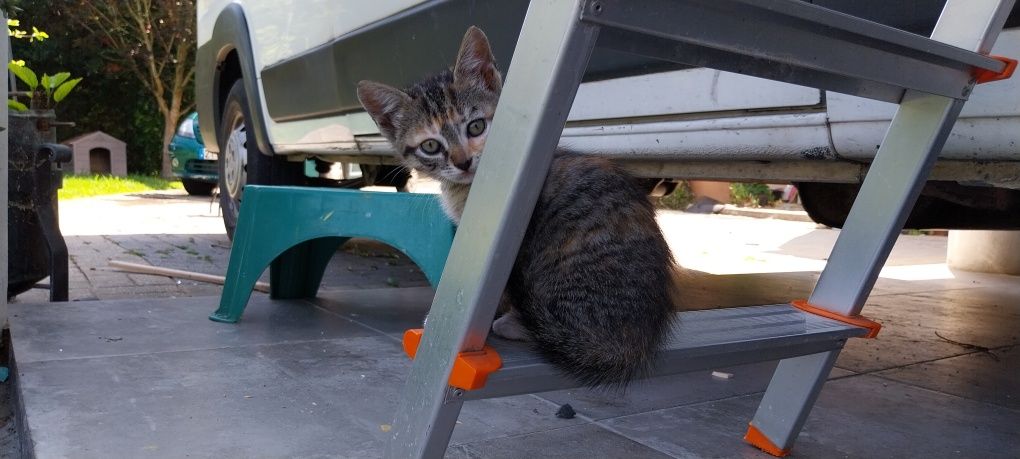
<point x="37" y="248"/>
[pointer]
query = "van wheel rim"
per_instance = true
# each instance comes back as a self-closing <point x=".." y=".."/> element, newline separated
<point x="235" y="162"/>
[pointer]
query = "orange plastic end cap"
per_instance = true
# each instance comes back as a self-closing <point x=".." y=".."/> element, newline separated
<point x="412" y="338"/>
<point x="760" y="441"/>
<point x="858" y="321"/>
<point x="470" y="370"/>
<point x="985" y="76"/>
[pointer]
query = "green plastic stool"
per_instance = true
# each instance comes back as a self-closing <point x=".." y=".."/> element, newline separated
<point x="297" y="230"/>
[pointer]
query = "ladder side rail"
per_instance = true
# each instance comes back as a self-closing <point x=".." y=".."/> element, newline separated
<point x="900" y="168"/>
<point x="912" y="143"/>
<point x="551" y="55"/>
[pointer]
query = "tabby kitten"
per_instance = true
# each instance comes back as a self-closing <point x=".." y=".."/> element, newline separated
<point x="593" y="281"/>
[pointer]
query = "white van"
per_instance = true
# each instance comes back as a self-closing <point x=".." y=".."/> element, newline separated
<point x="275" y="86"/>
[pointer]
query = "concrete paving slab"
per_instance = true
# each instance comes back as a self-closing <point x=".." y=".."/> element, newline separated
<point x="359" y="374"/>
<point x="55" y="331"/>
<point x="987" y="376"/>
<point x="707" y="291"/>
<point x="670" y="391"/>
<point x="859" y="417"/>
<point x="925" y="327"/>
<point x="720" y="244"/>
<point x="508" y="417"/>
<point x="390" y="311"/>
<point x="569" y="442"/>
<point x="666" y="391"/>
<point x="142" y="279"/>
<point x="109" y="279"/>
<point x="704" y="290"/>
<point x="169" y="212"/>
<point x="209" y="404"/>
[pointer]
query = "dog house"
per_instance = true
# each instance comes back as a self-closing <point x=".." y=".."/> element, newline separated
<point x="98" y="153"/>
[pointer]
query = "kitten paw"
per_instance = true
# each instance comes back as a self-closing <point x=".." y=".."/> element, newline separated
<point x="509" y="327"/>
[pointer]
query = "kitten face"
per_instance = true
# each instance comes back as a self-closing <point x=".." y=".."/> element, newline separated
<point x="444" y="127"/>
<point x="439" y="125"/>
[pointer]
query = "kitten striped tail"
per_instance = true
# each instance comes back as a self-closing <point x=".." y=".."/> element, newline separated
<point x="594" y="281"/>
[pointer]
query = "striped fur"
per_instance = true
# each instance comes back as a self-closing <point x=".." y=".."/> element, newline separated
<point x="592" y="285"/>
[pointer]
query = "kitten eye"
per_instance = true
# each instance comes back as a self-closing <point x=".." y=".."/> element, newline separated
<point x="430" y="146"/>
<point x="476" y="127"/>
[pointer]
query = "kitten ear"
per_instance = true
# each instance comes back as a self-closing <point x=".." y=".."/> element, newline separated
<point x="475" y="64"/>
<point x="383" y="103"/>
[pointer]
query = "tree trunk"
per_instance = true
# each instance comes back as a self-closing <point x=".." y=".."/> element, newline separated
<point x="169" y="127"/>
<point x="172" y="115"/>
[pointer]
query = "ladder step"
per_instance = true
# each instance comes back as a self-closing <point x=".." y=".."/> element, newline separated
<point x="701" y="340"/>
<point x="791" y="40"/>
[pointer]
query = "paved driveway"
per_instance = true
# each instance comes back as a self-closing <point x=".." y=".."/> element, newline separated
<point x="174" y="230"/>
<point x="939" y="381"/>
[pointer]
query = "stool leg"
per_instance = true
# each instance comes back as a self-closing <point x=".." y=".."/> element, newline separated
<point x="249" y="257"/>
<point x="297" y="273"/>
<point x="551" y="56"/>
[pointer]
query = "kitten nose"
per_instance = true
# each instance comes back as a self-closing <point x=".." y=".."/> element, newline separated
<point x="464" y="165"/>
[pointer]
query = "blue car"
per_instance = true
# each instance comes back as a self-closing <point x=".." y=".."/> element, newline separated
<point x="190" y="161"/>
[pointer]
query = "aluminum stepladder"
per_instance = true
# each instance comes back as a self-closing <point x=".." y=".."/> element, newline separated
<point x="784" y="40"/>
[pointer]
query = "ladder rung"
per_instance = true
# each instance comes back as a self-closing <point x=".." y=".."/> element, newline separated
<point x="789" y="40"/>
<point x="701" y="340"/>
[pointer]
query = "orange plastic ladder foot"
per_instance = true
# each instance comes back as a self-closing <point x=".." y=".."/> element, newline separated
<point x="760" y="441"/>
<point x="859" y="321"/>
<point x="985" y="76"/>
<point x="470" y="370"/>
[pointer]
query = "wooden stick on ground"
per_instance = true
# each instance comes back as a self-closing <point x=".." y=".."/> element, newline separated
<point x="157" y="271"/>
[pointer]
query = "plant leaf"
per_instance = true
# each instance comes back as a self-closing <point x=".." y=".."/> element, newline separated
<point x="64" y="89"/>
<point x="15" y="105"/>
<point x="47" y="85"/>
<point x="61" y="77"/>
<point x="26" y="75"/>
<point x="38" y="35"/>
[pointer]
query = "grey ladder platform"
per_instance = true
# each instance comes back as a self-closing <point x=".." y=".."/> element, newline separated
<point x="785" y="40"/>
<point x="700" y="340"/>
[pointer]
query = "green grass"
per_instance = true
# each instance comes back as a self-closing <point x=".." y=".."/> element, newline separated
<point x="679" y="199"/>
<point x="85" y="186"/>
<point x="750" y="194"/>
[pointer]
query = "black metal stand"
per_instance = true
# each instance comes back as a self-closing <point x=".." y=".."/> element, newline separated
<point x="50" y="178"/>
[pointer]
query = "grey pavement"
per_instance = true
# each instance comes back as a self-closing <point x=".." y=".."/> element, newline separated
<point x="145" y="377"/>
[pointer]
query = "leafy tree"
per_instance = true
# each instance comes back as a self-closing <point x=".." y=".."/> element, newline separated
<point x="111" y="98"/>
<point x="154" y="41"/>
